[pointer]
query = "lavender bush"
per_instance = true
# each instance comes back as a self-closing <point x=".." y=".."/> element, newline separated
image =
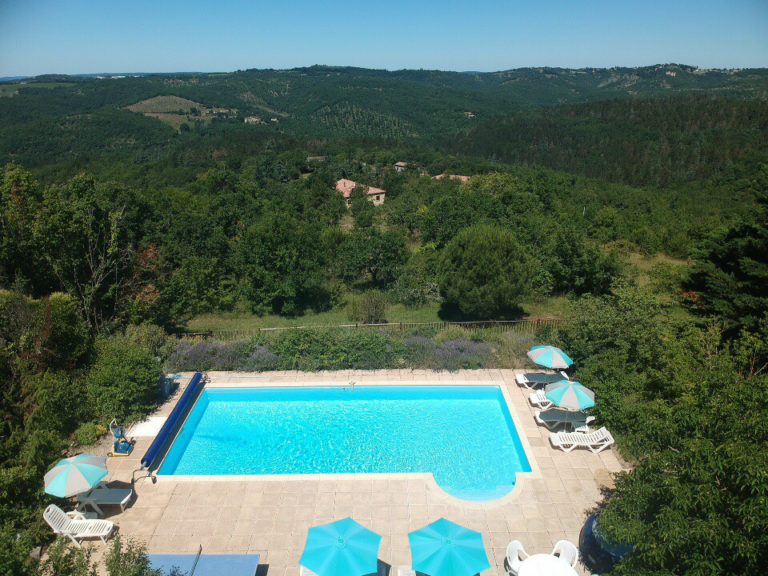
<point x="420" y="351"/>
<point x="208" y="355"/>
<point x="261" y="359"/>
<point x="462" y="354"/>
<point x="312" y="350"/>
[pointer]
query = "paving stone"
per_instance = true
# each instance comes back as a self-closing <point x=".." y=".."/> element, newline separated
<point x="271" y="517"/>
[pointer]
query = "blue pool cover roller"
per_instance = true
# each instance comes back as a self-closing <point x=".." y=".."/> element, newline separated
<point x="175" y="420"/>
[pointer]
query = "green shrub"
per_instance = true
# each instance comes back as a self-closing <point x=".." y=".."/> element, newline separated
<point x="335" y="350"/>
<point x="129" y="560"/>
<point x="57" y="398"/>
<point x="41" y="448"/>
<point x="121" y="560"/>
<point x="14" y="553"/>
<point x="89" y="433"/>
<point x="151" y="337"/>
<point x="668" y="279"/>
<point x="66" y="336"/>
<point x="123" y="382"/>
<point x="511" y="348"/>
<point x="20" y="491"/>
<point x="368" y="308"/>
<point x="63" y="559"/>
<point x="417" y="283"/>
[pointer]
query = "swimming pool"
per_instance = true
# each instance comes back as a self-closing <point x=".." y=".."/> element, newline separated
<point x="463" y="435"/>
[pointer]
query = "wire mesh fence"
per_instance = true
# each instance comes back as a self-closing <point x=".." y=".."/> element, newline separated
<point x="526" y="326"/>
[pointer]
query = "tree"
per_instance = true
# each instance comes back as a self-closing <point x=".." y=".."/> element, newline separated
<point x="84" y="241"/>
<point x="361" y="208"/>
<point x="20" y="257"/>
<point x="730" y="275"/>
<point x="578" y="265"/>
<point x="281" y="262"/>
<point x="371" y="256"/>
<point x="689" y="409"/>
<point x="485" y="272"/>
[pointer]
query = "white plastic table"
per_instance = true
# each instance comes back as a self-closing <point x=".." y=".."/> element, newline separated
<point x="545" y="565"/>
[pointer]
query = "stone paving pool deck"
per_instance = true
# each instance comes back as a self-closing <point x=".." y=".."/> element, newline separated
<point x="270" y="516"/>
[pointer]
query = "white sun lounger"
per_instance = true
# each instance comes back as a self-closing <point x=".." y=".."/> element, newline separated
<point x="539" y="399"/>
<point x="103" y="496"/>
<point x="533" y="379"/>
<point x="75" y="526"/>
<point x="595" y="442"/>
<point x="554" y="418"/>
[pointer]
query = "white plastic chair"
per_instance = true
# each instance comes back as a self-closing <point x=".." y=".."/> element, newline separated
<point x="75" y="526"/>
<point x="515" y="556"/>
<point x="567" y="551"/>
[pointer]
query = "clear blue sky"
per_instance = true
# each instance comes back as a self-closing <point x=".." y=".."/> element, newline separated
<point x="85" y="36"/>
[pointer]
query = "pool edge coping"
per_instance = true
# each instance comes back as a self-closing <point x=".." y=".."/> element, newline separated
<point x="522" y="477"/>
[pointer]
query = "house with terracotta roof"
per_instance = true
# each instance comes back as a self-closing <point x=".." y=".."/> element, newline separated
<point x="451" y="177"/>
<point x="401" y="166"/>
<point x="375" y="195"/>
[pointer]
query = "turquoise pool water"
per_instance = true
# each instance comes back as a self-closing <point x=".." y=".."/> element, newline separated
<point x="463" y="435"/>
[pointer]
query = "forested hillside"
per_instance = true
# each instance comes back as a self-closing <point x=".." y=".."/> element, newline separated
<point x="69" y="123"/>
<point x="642" y="142"/>
<point x="630" y="203"/>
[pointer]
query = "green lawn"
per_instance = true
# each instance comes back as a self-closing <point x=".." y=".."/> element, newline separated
<point x="551" y="307"/>
<point x="643" y="265"/>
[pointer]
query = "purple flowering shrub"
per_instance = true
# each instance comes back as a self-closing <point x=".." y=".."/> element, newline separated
<point x="208" y="355"/>
<point x="328" y="350"/>
<point x="462" y="354"/>
<point x="420" y="351"/>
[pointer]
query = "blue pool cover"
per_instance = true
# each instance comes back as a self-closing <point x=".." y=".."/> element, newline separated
<point x="207" y="564"/>
<point x="174" y="421"/>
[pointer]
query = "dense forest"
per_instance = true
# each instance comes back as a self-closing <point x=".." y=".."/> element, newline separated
<point x="129" y="206"/>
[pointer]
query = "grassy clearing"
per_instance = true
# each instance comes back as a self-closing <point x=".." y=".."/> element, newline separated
<point x="8" y="90"/>
<point x="173" y="120"/>
<point x="175" y="111"/>
<point x="165" y="105"/>
<point x="643" y="266"/>
<point x="555" y="307"/>
<point x="247" y="321"/>
<point x="552" y="307"/>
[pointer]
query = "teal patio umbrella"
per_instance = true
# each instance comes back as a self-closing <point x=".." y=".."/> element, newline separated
<point x="75" y="475"/>
<point x="570" y="395"/>
<point x="446" y="549"/>
<point x="550" y="357"/>
<point x="341" y="548"/>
